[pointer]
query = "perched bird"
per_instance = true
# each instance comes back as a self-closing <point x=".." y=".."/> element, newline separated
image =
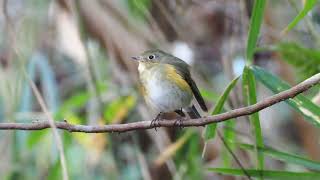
<point x="167" y="85"/>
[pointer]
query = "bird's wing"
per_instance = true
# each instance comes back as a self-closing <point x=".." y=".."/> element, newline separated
<point x="196" y="93"/>
<point x="183" y="69"/>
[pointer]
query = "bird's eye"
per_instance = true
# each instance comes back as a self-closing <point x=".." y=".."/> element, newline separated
<point x="151" y="57"/>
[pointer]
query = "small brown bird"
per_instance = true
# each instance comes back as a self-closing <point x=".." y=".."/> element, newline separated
<point x="167" y="85"/>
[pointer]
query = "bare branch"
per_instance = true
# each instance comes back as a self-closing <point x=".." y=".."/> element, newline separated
<point x="290" y="93"/>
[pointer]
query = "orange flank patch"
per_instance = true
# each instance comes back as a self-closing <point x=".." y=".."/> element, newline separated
<point x="173" y="76"/>
<point x="142" y="89"/>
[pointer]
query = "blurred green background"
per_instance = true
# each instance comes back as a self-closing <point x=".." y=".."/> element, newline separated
<point x="77" y="53"/>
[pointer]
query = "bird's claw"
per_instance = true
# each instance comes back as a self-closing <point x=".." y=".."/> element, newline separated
<point x="155" y="122"/>
<point x="178" y="122"/>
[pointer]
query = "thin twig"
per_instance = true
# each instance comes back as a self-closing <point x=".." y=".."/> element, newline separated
<point x="50" y="122"/>
<point x="284" y="95"/>
<point x="309" y="25"/>
<point x="233" y="155"/>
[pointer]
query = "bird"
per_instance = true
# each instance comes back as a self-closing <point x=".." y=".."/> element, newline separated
<point x="167" y="86"/>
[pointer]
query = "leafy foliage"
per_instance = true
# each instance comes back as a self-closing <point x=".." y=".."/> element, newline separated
<point x="117" y="110"/>
<point x="250" y="97"/>
<point x="138" y="8"/>
<point x="209" y="132"/>
<point x="308" y="5"/>
<point x="283" y="156"/>
<point x="300" y="103"/>
<point x="248" y="79"/>
<point x="254" y="29"/>
<point x="268" y="173"/>
<point x="306" y="60"/>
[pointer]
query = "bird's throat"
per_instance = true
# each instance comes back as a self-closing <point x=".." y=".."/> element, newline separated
<point x="144" y="66"/>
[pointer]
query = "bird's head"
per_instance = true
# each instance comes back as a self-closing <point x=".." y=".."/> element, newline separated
<point x="151" y="56"/>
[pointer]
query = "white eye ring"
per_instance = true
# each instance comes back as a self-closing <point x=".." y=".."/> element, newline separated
<point x="151" y="57"/>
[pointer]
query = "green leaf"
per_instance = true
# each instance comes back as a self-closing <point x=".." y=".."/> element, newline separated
<point x="308" y="5"/>
<point x="35" y="137"/>
<point x="255" y="24"/>
<point x="229" y="136"/>
<point x="209" y="95"/>
<point x="173" y="148"/>
<point x="249" y="89"/>
<point x="283" y="156"/>
<point x="55" y="171"/>
<point x="211" y="129"/>
<point x="75" y="102"/>
<point x="118" y="109"/>
<point x="268" y="173"/>
<point x="306" y="60"/>
<point x="250" y="97"/>
<point x="138" y="8"/>
<point x="300" y="103"/>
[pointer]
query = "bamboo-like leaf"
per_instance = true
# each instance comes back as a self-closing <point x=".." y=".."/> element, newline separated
<point x="173" y="148"/>
<point x="300" y="103"/>
<point x="305" y="60"/>
<point x="308" y="5"/>
<point x="229" y="136"/>
<point x="209" y="95"/>
<point x="249" y="89"/>
<point x="211" y="129"/>
<point x="138" y="7"/>
<point x="268" y="173"/>
<point x="255" y="24"/>
<point x="250" y="97"/>
<point x="283" y="156"/>
<point x="75" y="102"/>
<point x="54" y="171"/>
<point x="36" y="137"/>
<point x="117" y="110"/>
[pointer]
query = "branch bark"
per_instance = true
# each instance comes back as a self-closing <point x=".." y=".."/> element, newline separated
<point x="282" y="96"/>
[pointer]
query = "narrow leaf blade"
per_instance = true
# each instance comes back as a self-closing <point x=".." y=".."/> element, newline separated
<point x="268" y="173"/>
<point x="300" y="103"/>
<point x="305" y="60"/>
<point x="283" y="156"/>
<point x="255" y="24"/>
<point x="229" y="136"/>
<point x="210" y="129"/>
<point x="250" y="97"/>
<point x="309" y="4"/>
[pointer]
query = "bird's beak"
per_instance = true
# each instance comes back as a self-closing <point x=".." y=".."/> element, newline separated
<point x="136" y="58"/>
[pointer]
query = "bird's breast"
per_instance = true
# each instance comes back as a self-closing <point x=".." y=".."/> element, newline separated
<point x="164" y="89"/>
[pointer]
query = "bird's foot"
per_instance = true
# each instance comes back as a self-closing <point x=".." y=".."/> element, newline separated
<point x="155" y="122"/>
<point x="178" y="122"/>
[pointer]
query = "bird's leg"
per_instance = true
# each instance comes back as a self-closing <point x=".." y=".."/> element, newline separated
<point x="155" y="122"/>
<point x="180" y="112"/>
<point x="180" y="118"/>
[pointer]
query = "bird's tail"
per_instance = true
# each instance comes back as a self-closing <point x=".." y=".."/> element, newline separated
<point x="193" y="112"/>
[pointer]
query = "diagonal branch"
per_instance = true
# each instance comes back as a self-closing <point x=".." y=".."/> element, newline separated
<point x="282" y="96"/>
